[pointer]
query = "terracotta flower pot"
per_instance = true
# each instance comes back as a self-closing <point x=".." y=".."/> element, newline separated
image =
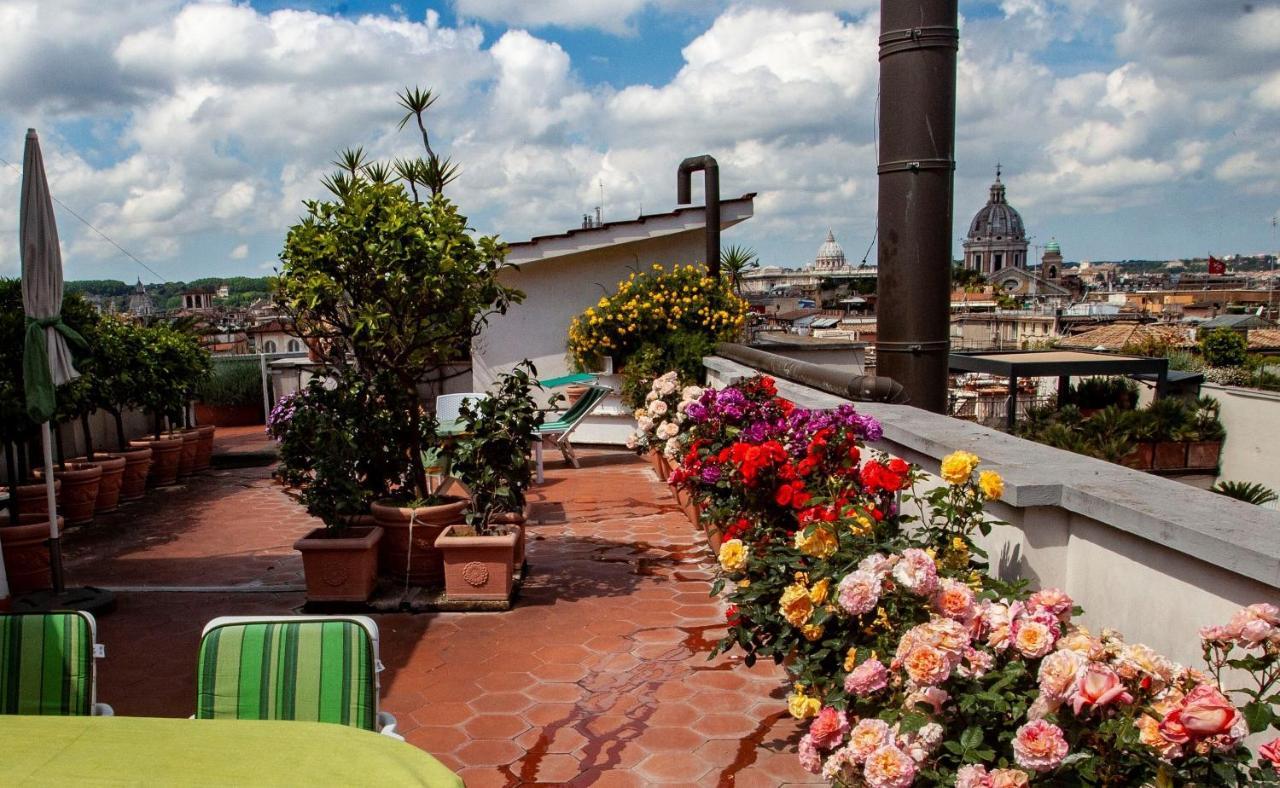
<point x="204" y="454"/>
<point x="133" y="484"/>
<point x="79" y="491"/>
<point x="714" y="537"/>
<point x="477" y="567"/>
<point x="655" y="459"/>
<point x="34" y="498"/>
<point x="1142" y="457"/>
<point x="517" y="522"/>
<point x="341" y="565"/>
<point x="230" y="415"/>
<point x="415" y="555"/>
<point x="113" y="466"/>
<point x="573" y="392"/>
<point x="190" y="449"/>
<point x="1171" y="454"/>
<point x="1203" y="454"/>
<point x="26" y="551"/>
<point x="165" y="455"/>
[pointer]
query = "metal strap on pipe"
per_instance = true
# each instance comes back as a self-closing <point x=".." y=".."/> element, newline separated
<point x="915" y="165"/>
<point x="927" y="37"/>
<point x="859" y="388"/>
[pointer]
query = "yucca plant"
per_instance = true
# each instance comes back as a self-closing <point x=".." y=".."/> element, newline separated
<point x="1249" y="492"/>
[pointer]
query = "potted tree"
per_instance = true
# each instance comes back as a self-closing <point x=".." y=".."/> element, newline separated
<point x="491" y="457"/>
<point x="178" y="363"/>
<point x="335" y="447"/>
<point x="123" y="373"/>
<point x="1206" y="434"/>
<point x="1169" y="418"/>
<point x="391" y="282"/>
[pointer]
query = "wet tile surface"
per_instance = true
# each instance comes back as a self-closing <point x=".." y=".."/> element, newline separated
<point x="598" y="676"/>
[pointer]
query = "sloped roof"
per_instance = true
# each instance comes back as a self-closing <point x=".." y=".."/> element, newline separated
<point x="1119" y="335"/>
<point x="1236" y="321"/>
<point x="1264" y="339"/>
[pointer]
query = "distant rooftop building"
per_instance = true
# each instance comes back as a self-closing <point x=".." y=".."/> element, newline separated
<point x="140" y="302"/>
<point x="830" y="255"/>
<point x="997" y="238"/>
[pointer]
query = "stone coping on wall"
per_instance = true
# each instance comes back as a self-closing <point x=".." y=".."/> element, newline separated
<point x="1227" y="533"/>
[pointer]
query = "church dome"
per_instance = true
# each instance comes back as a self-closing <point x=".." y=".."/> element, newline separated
<point x="830" y="255"/>
<point x="997" y="219"/>
<point x="1052" y="246"/>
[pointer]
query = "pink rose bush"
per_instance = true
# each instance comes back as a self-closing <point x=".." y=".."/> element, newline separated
<point x="910" y="663"/>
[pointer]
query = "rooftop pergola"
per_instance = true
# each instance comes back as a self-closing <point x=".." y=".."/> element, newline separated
<point x="1060" y="364"/>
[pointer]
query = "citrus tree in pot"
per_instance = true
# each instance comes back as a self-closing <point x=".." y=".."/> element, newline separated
<point x="176" y="364"/>
<point x="338" y="449"/>
<point x="492" y="458"/>
<point x="124" y="373"/>
<point x="390" y="281"/>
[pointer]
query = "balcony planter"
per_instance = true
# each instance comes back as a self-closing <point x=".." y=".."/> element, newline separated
<point x="79" y="493"/>
<point x="655" y="459"/>
<point x="341" y="564"/>
<point x="414" y="554"/>
<point x="1170" y="454"/>
<point x="133" y="483"/>
<point x="714" y="536"/>
<point x="1142" y="457"/>
<point x="204" y="452"/>
<point x="516" y="520"/>
<point x="230" y="415"/>
<point x="1203" y="454"/>
<point x="34" y="498"/>
<point x="190" y="448"/>
<point x="165" y="454"/>
<point x="113" y="466"/>
<point x="26" y="551"/>
<point x="477" y="567"/>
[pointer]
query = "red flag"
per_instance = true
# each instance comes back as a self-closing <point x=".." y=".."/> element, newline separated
<point x="1216" y="266"/>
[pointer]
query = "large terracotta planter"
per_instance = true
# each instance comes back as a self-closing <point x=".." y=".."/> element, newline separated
<point x="34" y="498"/>
<point x="165" y="455"/>
<point x="516" y="520"/>
<point x="477" y="567"/>
<point x="1170" y="454"/>
<point x="1142" y="457"/>
<point x="714" y="537"/>
<point x="190" y="449"/>
<point x="1203" y="454"/>
<point x="79" y="491"/>
<point x="573" y="392"/>
<point x="340" y="565"/>
<point x="133" y="483"/>
<point x="230" y="415"/>
<point x="113" y="466"/>
<point x="204" y="454"/>
<point x="414" y="555"/>
<point x="26" y="551"/>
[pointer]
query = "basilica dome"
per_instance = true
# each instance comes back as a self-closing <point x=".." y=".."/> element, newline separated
<point x="830" y="255"/>
<point x="997" y="219"/>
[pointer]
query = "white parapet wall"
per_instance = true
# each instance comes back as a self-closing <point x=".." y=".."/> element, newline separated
<point x="1150" y="557"/>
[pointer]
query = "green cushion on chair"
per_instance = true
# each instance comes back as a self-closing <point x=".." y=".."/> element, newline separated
<point x="317" y="671"/>
<point x="46" y="664"/>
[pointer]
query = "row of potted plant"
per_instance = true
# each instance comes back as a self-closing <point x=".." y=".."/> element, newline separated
<point x="912" y="664"/>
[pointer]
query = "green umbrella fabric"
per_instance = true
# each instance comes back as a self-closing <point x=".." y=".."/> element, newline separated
<point x="46" y="360"/>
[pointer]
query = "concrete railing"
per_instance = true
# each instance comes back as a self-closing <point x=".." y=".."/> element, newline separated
<point x="1150" y="557"/>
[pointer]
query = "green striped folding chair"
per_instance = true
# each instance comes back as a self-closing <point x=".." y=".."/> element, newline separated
<point x="47" y="664"/>
<point x="311" y="668"/>
<point x="559" y="428"/>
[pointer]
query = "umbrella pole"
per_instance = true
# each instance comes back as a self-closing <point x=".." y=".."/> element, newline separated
<point x="55" y="543"/>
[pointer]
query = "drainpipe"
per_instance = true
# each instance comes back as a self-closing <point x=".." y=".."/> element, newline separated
<point x="918" y="43"/>
<point x="711" y="186"/>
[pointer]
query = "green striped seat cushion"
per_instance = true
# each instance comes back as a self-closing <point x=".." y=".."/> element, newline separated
<point x="316" y="671"/>
<point x="46" y="664"/>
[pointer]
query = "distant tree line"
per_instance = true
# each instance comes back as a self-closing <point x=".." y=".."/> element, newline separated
<point x="244" y="290"/>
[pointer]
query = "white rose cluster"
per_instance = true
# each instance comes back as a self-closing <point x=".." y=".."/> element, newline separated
<point x="662" y="418"/>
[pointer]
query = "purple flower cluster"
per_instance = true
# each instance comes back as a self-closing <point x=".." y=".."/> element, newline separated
<point x="282" y="414"/>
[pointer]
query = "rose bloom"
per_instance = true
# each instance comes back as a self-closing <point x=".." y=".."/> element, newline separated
<point x="1009" y="778"/>
<point x="1204" y="712"/>
<point x="889" y="767"/>
<point x="996" y="622"/>
<point x="1139" y="660"/>
<point x="819" y="544"/>
<point x="657" y="408"/>
<point x="858" y="592"/>
<point x="927" y="666"/>
<point x="810" y="758"/>
<point x="795" y="605"/>
<point x="1271" y="753"/>
<point x="976" y="663"/>
<point x="1150" y="735"/>
<point x="958" y="466"/>
<point x="973" y="776"/>
<point x="1058" y="673"/>
<point x="916" y="572"/>
<point x="818" y="593"/>
<point x="868" y="736"/>
<point x="812" y="632"/>
<point x="644" y="423"/>
<point x="921" y="744"/>
<point x="991" y="484"/>
<point x="871" y="676"/>
<point x="733" y="555"/>
<point x="828" y="729"/>
<point x="1039" y="746"/>
<point x="877" y="564"/>
<point x="1032" y="638"/>
<point x="1097" y="685"/>
<point x="929" y="696"/>
<point x="802" y="706"/>
<point x="954" y="599"/>
<point x="1053" y="600"/>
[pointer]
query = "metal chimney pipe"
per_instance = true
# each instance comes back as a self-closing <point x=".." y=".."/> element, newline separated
<point x="711" y="185"/>
<point x="918" y="44"/>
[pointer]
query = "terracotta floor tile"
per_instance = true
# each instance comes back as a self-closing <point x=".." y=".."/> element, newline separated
<point x="673" y="767"/>
<point x="495" y="726"/>
<point x="488" y="752"/>
<point x="555" y="769"/>
<point x="664" y="738"/>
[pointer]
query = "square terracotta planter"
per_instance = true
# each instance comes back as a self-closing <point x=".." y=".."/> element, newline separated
<point x="340" y="566"/>
<point x="1203" y="454"/>
<point x="477" y="567"/>
<point x="1171" y="454"/>
<point x="1141" y="458"/>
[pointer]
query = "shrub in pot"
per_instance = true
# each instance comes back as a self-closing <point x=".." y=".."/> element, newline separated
<point x="1205" y="434"/>
<point x="232" y="394"/>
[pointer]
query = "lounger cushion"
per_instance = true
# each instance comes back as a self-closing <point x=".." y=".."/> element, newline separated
<point x="318" y="671"/>
<point x="46" y="664"/>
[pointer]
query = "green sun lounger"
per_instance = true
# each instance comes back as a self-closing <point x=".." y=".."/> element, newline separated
<point x="312" y="668"/>
<point x="47" y="664"/>
<point x="560" y="428"/>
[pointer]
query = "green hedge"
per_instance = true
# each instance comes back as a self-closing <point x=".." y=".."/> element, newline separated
<point x="234" y="381"/>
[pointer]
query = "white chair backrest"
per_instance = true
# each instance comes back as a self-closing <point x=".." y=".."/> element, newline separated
<point x="448" y="406"/>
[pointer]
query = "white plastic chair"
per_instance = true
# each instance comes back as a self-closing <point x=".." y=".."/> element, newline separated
<point x="449" y="406"/>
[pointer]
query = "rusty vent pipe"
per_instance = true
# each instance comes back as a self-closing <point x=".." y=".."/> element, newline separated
<point x="859" y="388"/>
<point x="711" y="186"/>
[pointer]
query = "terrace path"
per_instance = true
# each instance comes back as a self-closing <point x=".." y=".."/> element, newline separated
<point x="598" y="676"/>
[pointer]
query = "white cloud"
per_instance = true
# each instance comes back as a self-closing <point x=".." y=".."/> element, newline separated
<point x="240" y="252"/>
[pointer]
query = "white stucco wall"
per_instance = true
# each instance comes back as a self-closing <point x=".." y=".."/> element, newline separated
<point x="1252" y="419"/>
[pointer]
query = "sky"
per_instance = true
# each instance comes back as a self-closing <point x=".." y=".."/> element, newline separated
<point x="190" y="133"/>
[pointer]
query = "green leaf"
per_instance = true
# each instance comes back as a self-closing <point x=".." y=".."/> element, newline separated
<point x="1258" y="716"/>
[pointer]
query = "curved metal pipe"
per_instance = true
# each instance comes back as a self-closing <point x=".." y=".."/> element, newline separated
<point x="711" y="186"/>
<point x="859" y="388"/>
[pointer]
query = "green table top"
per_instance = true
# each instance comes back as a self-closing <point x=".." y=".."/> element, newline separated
<point x="149" y="751"/>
